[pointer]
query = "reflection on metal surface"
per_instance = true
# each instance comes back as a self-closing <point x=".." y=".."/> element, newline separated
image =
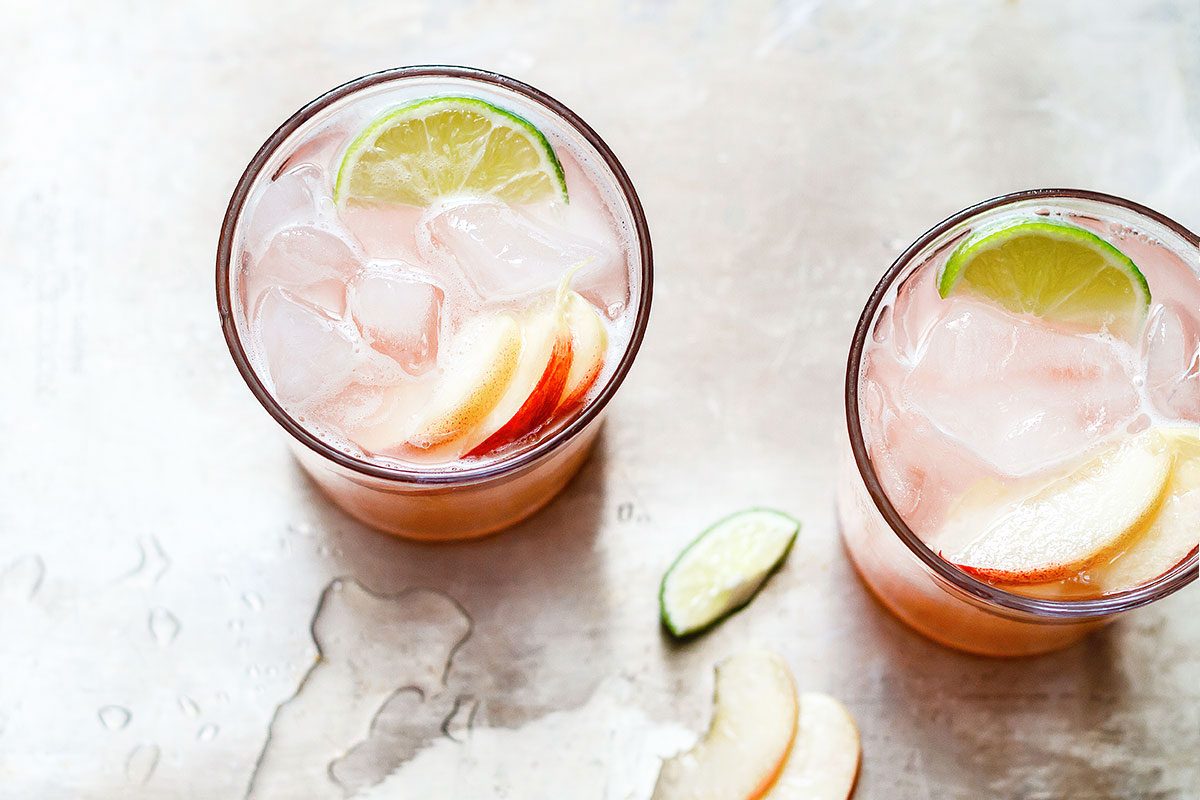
<point x="382" y="662"/>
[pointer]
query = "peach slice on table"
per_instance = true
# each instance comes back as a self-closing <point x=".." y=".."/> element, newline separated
<point x="823" y="764"/>
<point x="1077" y="520"/>
<point x="480" y="364"/>
<point x="589" y="345"/>
<point x="753" y="726"/>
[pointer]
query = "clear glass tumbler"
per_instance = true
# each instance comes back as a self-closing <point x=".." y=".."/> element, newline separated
<point x="471" y="500"/>
<point x="926" y="592"/>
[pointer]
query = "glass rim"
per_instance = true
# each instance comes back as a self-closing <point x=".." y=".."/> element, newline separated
<point x="503" y="466"/>
<point x="1178" y="576"/>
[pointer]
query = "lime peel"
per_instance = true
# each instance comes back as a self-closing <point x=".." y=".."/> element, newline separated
<point x="1051" y="270"/>
<point x="464" y="145"/>
<point x="722" y="570"/>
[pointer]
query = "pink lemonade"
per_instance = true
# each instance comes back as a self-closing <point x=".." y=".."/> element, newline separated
<point x="435" y="276"/>
<point x="1051" y="467"/>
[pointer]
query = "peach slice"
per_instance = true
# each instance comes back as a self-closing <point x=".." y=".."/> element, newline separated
<point x="823" y="763"/>
<point x="1075" y="521"/>
<point x="753" y="725"/>
<point x="1171" y="536"/>
<point x="537" y="384"/>
<point x="479" y="367"/>
<point x="589" y="345"/>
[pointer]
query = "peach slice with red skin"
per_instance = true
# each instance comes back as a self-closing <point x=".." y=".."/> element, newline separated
<point x="536" y="385"/>
<point x="589" y="345"/>
<point x="1076" y="521"/>
<point x="479" y="367"/>
<point x="546" y="362"/>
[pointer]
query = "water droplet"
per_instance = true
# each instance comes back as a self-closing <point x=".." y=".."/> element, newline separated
<point x="164" y="626"/>
<point x="300" y="529"/>
<point x="114" y="717"/>
<point x="222" y="697"/>
<point x="21" y="579"/>
<point x="141" y="763"/>
<point x="207" y="733"/>
<point x="323" y="550"/>
<point x="188" y="706"/>
<point x="235" y="625"/>
<point x="272" y="672"/>
<point x="252" y="670"/>
<point x="253" y="601"/>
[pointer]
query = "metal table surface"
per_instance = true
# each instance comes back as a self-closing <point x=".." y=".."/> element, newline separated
<point x="162" y="559"/>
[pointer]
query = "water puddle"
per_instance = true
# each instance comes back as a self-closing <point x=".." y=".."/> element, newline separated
<point x="374" y="697"/>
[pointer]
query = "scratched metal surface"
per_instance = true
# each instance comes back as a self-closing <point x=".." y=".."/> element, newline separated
<point x="162" y="559"/>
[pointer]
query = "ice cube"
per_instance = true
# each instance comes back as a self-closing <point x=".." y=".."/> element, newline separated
<point x="917" y="306"/>
<point x="921" y="469"/>
<point x="287" y="200"/>
<point x="1020" y="394"/>
<point x="505" y="253"/>
<point x="310" y="355"/>
<point x="1171" y="352"/>
<point x="398" y="311"/>
<point x="309" y="261"/>
<point x="385" y="231"/>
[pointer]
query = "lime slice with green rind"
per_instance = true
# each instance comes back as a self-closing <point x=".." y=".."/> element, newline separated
<point x="1051" y="270"/>
<point x="722" y="570"/>
<point x="443" y="146"/>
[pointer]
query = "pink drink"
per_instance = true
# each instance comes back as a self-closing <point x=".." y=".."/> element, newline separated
<point x="444" y="361"/>
<point x="964" y="411"/>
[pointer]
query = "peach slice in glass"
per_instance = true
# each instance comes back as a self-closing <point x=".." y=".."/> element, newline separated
<point x="1075" y="521"/>
<point x="479" y="367"/>
<point x="589" y="343"/>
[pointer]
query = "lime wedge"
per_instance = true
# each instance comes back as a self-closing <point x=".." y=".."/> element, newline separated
<point x="442" y="146"/>
<point x="723" y="569"/>
<point x="1051" y="270"/>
